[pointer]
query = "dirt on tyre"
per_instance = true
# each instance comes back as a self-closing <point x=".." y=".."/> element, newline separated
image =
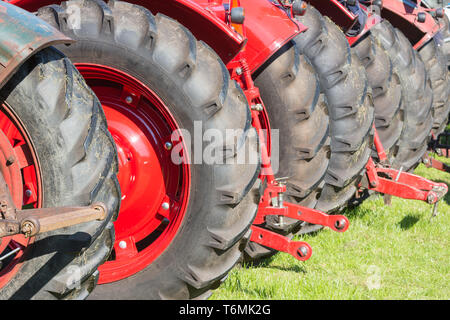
<point x="350" y="107"/>
<point x="317" y="95"/>
<point x="67" y="157"/>
<point x="386" y="91"/>
<point x="417" y="95"/>
<point x="183" y="224"/>
<point x="433" y="56"/>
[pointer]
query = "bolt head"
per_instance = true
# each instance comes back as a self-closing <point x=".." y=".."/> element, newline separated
<point x="238" y="71"/>
<point x="165" y="205"/>
<point x="168" y="146"/>
<point x="303" y="251"/>
<point x="122" y="244"/>
<point x="28" y="193"/>
<point x="129" y="99"/>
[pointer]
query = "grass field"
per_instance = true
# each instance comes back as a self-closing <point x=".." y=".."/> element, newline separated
<point x="388" y="252"/>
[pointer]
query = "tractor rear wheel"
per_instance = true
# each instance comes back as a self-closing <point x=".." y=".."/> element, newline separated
<point x="386" y="91"/>
<point x="350" y="108"/>
<point x="317" y="96"/>
<point x="65" y="156"/>
<point x="434" y="58"/>
<point x="416" y="92"/>
<point x="185" y="219"/>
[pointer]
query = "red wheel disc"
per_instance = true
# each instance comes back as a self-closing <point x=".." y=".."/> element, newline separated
<point x="155" y="191"/>
<point x="20" y="169"/>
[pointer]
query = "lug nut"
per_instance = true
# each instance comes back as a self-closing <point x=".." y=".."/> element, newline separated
<point x="168" y="146"/>
<point x="165" y="205"/>
<point x="28" y="193"/>
<point x="129" y="99"/>
<point x="122" y="244"/>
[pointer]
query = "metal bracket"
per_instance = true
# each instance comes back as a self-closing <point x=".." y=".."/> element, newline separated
<point x="405" y="185"/>
<point x="34" y="221"/>
<point x="430" y="162"/>
<point x="272" y="201"/>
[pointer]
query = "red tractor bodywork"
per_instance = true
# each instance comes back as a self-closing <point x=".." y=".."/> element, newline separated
<point x="244" y="49"/>
<point x="403" y="14"/>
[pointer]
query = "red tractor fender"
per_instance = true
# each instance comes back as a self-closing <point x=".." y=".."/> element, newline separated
<point x="337" y="12"/>
<point x="371" y="21"/>
<point x="21" y="35"/>
<point x="402" y="14"/>
<point x="344" y="18"/>
<point x="267" y="28"/>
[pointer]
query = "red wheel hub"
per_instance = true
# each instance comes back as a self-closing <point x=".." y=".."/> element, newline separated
<point x="19" y="166"/>
<point x="155" y="191"/>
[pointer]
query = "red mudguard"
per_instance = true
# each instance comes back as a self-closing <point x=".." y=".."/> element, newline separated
<point x="338" y="13"/>
<point x="402" y="14"/>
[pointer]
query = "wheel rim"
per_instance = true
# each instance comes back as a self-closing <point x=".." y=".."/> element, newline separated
<point x="23" y="178"/>
<point x="155" y="191"/>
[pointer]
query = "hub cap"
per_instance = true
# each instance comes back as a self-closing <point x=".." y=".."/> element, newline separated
<point x="155" y="191"/>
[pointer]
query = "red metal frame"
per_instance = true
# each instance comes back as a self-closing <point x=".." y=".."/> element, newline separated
<point x="383" y="179"/>
<point x="402" y="14"/>
<point x="24" y="180"/>
<point x="337" y="12"/>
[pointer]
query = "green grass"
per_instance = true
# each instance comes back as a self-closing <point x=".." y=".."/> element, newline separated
<point x="388" y="252"/>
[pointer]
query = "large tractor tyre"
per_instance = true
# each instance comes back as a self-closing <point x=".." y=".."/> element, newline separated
<point x="350" y="107"/>
<point x="66" y="158"/>
<point x="317" y="96"/>
<point x="183" y="224"/>
<point x="446" y="37"/>
<point x="295" y="107"/>
<point x="416" y="92"/>
<point x="386" y="91"/>
<point x="434" y="58"/>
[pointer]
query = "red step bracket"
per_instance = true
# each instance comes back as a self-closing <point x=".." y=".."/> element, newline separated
<point x="275" y="189"/>
<point x="383" y="179"/>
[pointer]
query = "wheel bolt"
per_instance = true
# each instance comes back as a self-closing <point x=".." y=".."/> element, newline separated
<point x="168" y="145"/>
<point x="129" y="99"/>
<point x="165" y="205"/>
<point x="28" y="193"/>
<point x="122" y="244"/>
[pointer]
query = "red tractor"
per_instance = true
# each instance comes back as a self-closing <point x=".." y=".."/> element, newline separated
<point x="168" y="72"/>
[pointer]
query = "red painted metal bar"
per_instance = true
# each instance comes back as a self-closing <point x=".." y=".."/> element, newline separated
<point x="275" y="189"/>
<point x="405" y="185"/>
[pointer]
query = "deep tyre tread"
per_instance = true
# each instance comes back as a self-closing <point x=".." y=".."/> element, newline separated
<point x="317" y="96"/>
<point x="416" y="92"/>
<point x="350" y="106"/>
<point x="196" y="86"/>
<point x="386" y="90"/>
<point x="434" y="58"/>
<point x="79" y="166"/>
